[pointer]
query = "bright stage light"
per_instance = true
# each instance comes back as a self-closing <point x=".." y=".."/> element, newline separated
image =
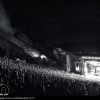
<point x="43" y="57"/>
<point x="92" y="70"/>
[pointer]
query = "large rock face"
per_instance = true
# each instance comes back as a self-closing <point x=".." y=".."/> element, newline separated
<point x="60" y="54"/>
<point x="12" y="42"/>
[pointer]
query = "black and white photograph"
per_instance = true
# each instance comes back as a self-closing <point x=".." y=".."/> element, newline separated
<point x="49" y="48"/>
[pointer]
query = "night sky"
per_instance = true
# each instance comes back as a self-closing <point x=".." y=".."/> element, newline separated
<point x="56" y="22"/>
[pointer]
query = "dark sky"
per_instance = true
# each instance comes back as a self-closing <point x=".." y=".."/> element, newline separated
<point x="56" y="22"/>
